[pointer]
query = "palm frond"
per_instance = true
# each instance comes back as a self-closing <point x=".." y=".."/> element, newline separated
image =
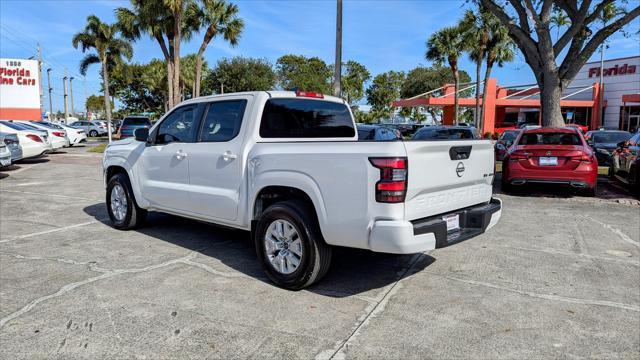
<point x="87" y="61"/>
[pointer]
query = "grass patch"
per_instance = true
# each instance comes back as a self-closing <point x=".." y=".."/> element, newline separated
<point x="98" y="149"/>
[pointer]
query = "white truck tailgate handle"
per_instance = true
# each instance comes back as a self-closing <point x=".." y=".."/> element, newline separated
<point x="181" y="155"/>
<point x="228" y="155"/>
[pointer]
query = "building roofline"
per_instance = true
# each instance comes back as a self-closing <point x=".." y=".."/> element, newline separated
<point x="622" y="58"/>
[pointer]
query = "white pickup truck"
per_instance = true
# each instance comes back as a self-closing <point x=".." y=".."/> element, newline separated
<point x="288" y="167"/>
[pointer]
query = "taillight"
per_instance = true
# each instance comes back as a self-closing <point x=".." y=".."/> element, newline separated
<point x="392" y="187"/>
<point x="582" y="158"/>
<point x="309" y="94"/>
<point x="58" y="133"/>
<point x="515" y="156"/>
<point x="35" y="138"/>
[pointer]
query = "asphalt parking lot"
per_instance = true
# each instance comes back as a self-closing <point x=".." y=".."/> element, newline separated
<point x="558" y="277"/>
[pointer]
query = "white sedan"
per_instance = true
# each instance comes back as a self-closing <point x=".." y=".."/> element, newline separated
<point x="57" y="137"/>
<point x="32" y="141"/>
<point x="75" y="135"/>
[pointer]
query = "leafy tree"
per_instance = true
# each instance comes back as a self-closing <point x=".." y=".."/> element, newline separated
<point x="109" y="48"/>
<point x="384" y="89"/>
<point x="220" y="19"/>
<point x="300" y="72"/>
<point x="240" y="74"/>
<point x="443" y="46"/>
<point x="529" y="24"/>
<point x="94" y="103"/>
<point x="353" y="78"/>
<point x="424" y="79"/>
<point x="134" y="93"/>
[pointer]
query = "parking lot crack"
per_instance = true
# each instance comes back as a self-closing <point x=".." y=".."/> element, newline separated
<point x="40" y="258"/>
<point x="551" y="297"/>
<point x="71" y="286"/>
<point x="621" y="235"/>
<point x="371" y="311"/>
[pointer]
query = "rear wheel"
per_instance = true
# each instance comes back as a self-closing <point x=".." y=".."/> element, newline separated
<point x="121" y="204"/>
<point x="93" y="133"/>
<point x="290" y="246"/>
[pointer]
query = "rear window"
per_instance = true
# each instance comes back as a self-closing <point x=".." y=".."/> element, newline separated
<point x="304" y="118"/>
<point x="550" y="139"/>
<point x="509" y="135"/>
<point x="136" y="122"/>
<point x="443" y="134"/>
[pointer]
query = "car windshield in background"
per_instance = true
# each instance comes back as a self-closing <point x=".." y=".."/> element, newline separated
<point x="611" y="137"/>
<point x="443" y="134"/>
<point x="136" y="122"/>
<point x="509" y="135"/>
<point x="561" y="138"/>
<point x="366" y="134"/>
<point x="304" y="118"/>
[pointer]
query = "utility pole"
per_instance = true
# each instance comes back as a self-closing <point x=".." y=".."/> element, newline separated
<point x="40" y="78"/>
<point x="71" y="92"/>
<point x="66" y="107"/>
<point x="50" y="89"/>
<point x="337" y="85"/>
<point x="601" y="87"/>
<point x="221" y="88"/>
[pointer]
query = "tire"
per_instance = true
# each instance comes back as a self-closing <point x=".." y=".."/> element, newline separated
<point x="315" y="253"/>
<point x="93" y="133"/>
<point x="128" y="215"/>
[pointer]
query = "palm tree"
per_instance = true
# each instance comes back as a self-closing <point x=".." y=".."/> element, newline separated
<point x="559" y="19"/>
<point x="219" y="18"/>
<point x="157" y="19"/>
<point x="109" y="49"/>
<point x="500" y="49"/>
<point x="475" y="30"/>
<point x="447" y="45"/>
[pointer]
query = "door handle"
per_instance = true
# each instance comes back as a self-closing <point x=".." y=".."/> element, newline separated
<point x="228" y="155"/>
<point x="181" y="155"/>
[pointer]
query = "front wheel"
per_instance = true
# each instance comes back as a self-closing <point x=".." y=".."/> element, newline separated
<point x="290" y="246"/>
<point x="93" y="133"/>
<point x="121" y="204"/>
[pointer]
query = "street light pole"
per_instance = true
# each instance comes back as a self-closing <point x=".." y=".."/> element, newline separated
<point x="71" y="93"/>
<point x="50" y="89"/>
<point x="337" y="85"/>
<point x="66" y="107"/>
<point x="601" y="92"/>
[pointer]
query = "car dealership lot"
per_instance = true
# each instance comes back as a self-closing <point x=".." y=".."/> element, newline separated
<point x="559" y="276"/>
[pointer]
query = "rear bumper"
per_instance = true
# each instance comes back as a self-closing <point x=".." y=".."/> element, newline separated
<point x="407" y="237"/>
<point x="584" y="176"/>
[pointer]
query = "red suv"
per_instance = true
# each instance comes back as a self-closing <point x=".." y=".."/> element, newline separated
<point x="550" y="156"/>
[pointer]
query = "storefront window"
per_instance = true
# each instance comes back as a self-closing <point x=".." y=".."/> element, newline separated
<point x="630" y="118"/>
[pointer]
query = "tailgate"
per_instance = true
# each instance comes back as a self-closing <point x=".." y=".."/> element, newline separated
<point x="447" y="175"/>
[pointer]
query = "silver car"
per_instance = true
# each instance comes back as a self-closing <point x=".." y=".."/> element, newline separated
<point x="12" y="143"/>
<point x="92" y="128"/>
<point x="5" y="154"/>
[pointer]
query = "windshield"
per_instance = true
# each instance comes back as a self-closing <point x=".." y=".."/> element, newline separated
<point x="611" y="137"/>
<point x="509" y="135"/>
<point x="443" y="134"/>
<point x="550" y="139"/>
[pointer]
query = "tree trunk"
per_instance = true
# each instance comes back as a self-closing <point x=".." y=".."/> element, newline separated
<point x="170" y="102"/>
<point x="107" y="103"/>
<point x="476" y="115"/>
<point x="177" y="24"/>
<point x="456" y="78"/>
<point x="487" y="74"/>
<point x="550" y="94"/>
<point x="196" y="82"/>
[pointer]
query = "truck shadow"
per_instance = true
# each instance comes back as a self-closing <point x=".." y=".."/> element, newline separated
<point x="352" y="271"/>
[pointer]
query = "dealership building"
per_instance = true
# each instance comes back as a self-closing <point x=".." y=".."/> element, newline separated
<point x="581" y="102"/>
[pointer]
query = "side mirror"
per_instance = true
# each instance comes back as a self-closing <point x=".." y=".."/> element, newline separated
<point x="141" y="134"/>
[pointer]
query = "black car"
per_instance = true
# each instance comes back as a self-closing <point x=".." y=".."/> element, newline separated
<point x="431" y="133"/>
<point x="625" y="163"/>
<point x="604" y="142"/>
<point x="131" y="123"/>
<point x="377" y="133"/>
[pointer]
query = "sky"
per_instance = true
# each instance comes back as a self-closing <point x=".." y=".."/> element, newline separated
<point x="381" y="34"/>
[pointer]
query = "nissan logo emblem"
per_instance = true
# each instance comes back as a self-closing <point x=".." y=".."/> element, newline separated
<point x="460" y="169"/>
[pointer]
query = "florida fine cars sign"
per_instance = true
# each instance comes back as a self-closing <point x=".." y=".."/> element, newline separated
<point x="19" y="90"/>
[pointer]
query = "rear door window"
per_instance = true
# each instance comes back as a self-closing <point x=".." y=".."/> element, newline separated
<point x="222" y="120"/>
<point x="305" y="118"/>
